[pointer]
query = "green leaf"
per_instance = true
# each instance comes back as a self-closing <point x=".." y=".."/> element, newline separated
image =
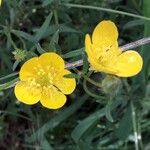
<point x="54" y="122"/>
<point x="16" y="63"/>
<point x="125" y="125"/>
<point x="5" y="59"/>
<point x="24" y="35"/>
<point x="47" y="2"/>
<point x="62" y="29"/>
<point x="108" y="111"/>
<point x="54" y="41"/>
<point x="133" y="23"/>
<point x="39" y="48"/>
<point x="74" y="53"/>
<point x="72" y="75"/>
<point x="43" y="28"/>
<point x="85" y="64"/>
<point x="145" y="49"/>
<point x="85" y="124"/>
<point x="8" y="84"/>
<point x="45" y="145"/>
<point x="9" y="76"/>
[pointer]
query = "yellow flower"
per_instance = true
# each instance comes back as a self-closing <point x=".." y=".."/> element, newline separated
<point x="42" y="79"/>
<point x="0" y="2"/>
<point x="104" y="54"/>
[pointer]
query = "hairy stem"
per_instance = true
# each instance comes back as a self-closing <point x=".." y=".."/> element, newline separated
<point x="125" y="47"/>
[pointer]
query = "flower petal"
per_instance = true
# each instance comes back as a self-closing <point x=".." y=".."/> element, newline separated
<point x="27" y="94"/>
<point x="88" y="46"/>
<point x="28" y="69"/>
<point x="51" y="59"/>
<point x="65" y="85"/>
<point x="105" y="32"/>
<point x="129" y="63"/>
<point x="52" y="98"/>
<point x="95" y="65"/>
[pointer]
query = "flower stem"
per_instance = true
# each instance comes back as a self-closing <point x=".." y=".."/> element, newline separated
<point x="105" y="9"/>
<point x="134" y="126"/>
<point x="125" y="47"/>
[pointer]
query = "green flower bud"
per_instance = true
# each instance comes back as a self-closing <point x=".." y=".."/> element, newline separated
<point x="20" y="54"/>
<point x="111" y="85"/>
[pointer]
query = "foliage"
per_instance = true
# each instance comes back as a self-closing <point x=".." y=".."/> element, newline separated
<point x="92" y="119"/>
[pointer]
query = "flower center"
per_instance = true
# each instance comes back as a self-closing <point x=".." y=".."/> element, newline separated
<point x="44" y="77"/>
<point x="106" y="54"/>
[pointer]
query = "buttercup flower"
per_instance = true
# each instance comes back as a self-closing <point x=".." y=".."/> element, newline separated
<point x="104" y="54"/>
<point x="42" y="79"/>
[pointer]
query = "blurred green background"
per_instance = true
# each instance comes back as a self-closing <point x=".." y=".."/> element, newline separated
<point x="90" y="120"/>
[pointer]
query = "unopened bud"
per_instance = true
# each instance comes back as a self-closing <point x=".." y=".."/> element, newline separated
<point x="111" y="85"/>
<point x="20" y="54"/>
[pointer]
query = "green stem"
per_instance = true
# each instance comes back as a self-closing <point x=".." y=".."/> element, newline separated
<point x="134" y="126"/>
<point x="91" y="81"/>
<point x="139" y="131"/>
<point x="91" y="93"/>
<point x="87" y="77"/>
<point x="107" y="10"/>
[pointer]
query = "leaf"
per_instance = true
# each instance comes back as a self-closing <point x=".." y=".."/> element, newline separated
<point x="54" y="41"/>
<point x="74" y="53"/>
<point x="8" y="84"/>
<point x="85" y="64"/>
<point x="108" y="111"/>
<point x="5" y="58"/>
<point x="133" y="23"/>
<point x="62" y="29"/>
<point x="16" y="63"/>
<point x="62" y="116"/>
<point x="39" y="35"/>
<point x="145" y="48"/>
<point x="9" y="76"/>
<point x="72" y="75"/>
<point x="39" y="48"/>
<point x="47" y="2"/>
<point x="85" y="124"/>
<point x="25" y="35"/>
<point x="125" y="125"/>
<point x="45" y="145"/>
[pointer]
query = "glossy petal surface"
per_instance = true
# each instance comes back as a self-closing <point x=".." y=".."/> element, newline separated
<point x="129" y="64"/>
<point x="105" y="32"/>
<point x="104" y="55"/>
<point x="95" y="64"/>
<point x="29" y="69"/>
<point x="42" y="79"/>
<point x="65" y="85"/>
<point x="52" y="60"/>
<point x="52" y="98"/>
<point x="26" y="93"/>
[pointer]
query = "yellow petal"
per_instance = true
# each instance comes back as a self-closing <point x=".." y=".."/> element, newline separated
<point x="65" y="85"/>
<point x="29" y="69"/>
<point x="0" y="2"/>
<point x="52" y="98"/>
<point x="88" y="47"/>
<point x="105" y="32"/>
<point x="95" y="65"/>
<point x="129" y="63"/>
<point x="52" y="59"/>
<point x="27" y="94"/>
